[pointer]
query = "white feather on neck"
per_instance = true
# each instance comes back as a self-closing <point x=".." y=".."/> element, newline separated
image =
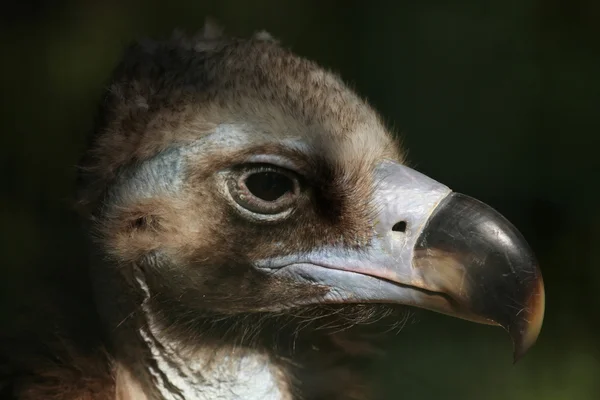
<point x="216" y="374"/>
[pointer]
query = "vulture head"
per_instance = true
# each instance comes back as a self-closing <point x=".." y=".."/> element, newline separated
<point x="248" y="210"/>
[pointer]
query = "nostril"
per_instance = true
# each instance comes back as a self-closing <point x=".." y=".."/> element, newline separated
<point x="399" y="226"/>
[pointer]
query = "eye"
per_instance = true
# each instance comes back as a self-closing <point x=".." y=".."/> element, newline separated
<point x="264" y="189"/>
<point x="269" y="185"/>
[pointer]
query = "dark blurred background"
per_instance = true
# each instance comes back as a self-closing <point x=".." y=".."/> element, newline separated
<point x="498" y="99"/>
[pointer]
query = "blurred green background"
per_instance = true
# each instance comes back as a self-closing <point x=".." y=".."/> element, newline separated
<point x="498" y="99"/>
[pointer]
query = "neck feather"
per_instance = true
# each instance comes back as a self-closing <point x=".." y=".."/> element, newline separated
<point x="181" y="372"/>
<point x="312" y="354"/>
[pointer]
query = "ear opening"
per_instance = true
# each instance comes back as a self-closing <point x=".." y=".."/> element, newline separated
<point x="140" y="222"/>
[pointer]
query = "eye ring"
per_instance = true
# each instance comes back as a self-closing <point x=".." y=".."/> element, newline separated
<point x="264" y="190"/>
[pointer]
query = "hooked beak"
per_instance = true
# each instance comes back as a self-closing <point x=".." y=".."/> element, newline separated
<point x="437" y="250"/>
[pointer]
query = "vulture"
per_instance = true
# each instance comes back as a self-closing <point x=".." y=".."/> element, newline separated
<point x="254" y="233"/>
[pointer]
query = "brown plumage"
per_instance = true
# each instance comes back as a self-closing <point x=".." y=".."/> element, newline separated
<point x="177" y="91"/>
<point x="185" y="308"/>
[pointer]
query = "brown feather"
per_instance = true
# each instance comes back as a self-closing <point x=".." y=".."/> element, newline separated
<point x="190" y="248"/>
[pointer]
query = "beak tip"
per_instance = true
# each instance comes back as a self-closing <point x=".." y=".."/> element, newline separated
<point x="531" y="325"/>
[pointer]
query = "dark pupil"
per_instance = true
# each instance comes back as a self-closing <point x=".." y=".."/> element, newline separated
<point x="269" y="186"/>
